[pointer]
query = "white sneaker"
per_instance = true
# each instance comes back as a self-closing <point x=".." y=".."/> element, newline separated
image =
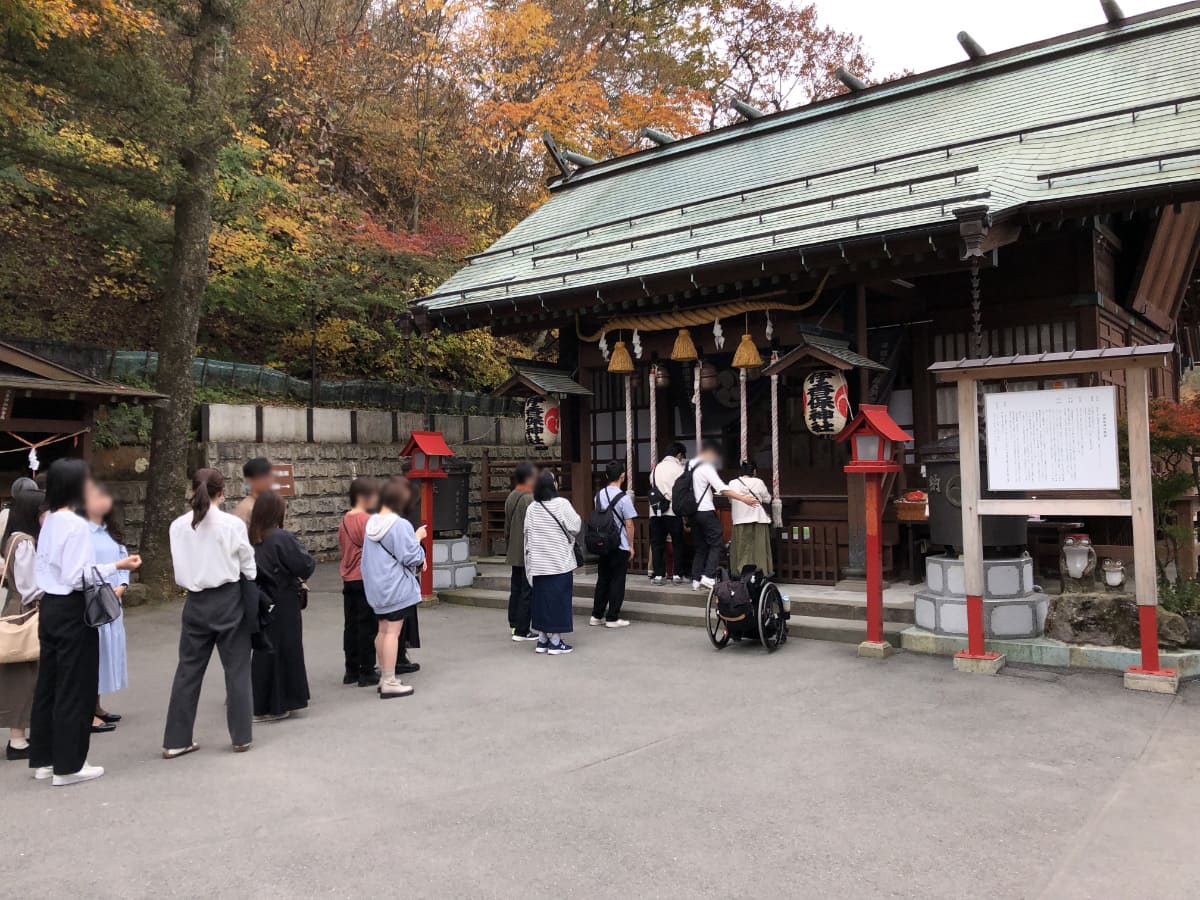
<point x="695" y="585"/>
<point x="594" y="621"/>
<point x="44" y="772"/>
<point x="677" y="579"/>
<point x="518" y="638"/>
<point x="619" y="623"/>
<point x="707" y="582"/>
<point x="87" y="773"/>
<point x="658" y="579"/>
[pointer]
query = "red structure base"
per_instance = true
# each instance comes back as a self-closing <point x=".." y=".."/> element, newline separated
<point x="1161" y="673"/>
<point x="967" y="654"/>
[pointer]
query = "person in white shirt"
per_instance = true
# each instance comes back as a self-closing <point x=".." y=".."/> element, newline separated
<point x="613" y="567"/>
<point x="69" y="662"/>
<point x="211" y="552"/>
<point x="664" y="523"/>
<point x="707" y="533"/>
<point x="751" y="544"/>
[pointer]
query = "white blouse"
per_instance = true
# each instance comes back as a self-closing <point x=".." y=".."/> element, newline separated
<point x="215" y="552"/>
<point x="743" y="513"/>
<point x="65" y="553"/>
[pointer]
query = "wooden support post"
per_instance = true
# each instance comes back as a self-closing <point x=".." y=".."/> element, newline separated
<point x="874" y="647"/>
<point x="1149" y="675"/>
<point x="975" y="658"/>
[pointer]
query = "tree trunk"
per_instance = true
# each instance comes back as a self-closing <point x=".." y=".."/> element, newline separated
<point x="187" y="279"/>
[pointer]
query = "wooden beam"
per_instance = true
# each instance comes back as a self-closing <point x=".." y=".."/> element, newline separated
<point x="1079" y="366"/>
<point x="1167" y="265"/>
<point x="46" y="426"/>
<point x="968" y="452"/>
<point x="1056" y="506"/>
<point x="1137" y="412"/>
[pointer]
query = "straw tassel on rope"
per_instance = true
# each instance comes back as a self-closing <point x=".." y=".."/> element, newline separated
<point x="621" y="363"/>
<point x="747" y="355"/>
<point x="684" y="349"/>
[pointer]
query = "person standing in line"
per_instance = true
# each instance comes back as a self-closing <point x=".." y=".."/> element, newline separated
<point x="278" y="676"/>
<point x="359" y="626"/>
<point x="21" y="485"/>
<point x="392" y="561"/>
<point x="108" y="546"/>
<point x="69" y="667"/>
<point x="751" y="544"/>
<point x="613" y="568"/>
<point x="664" y="523"/>
<point x="211" y="553"/>
<point x="551" y="530"/>
<point x="259" y="475"/>
<point x="19" y="546"/>
<point x="515" y="506"/>
<point x="706" y="526"/>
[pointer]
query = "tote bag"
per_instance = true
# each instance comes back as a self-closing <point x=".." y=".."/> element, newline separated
<point x="18" y="633"/>
<point x="100" y="602"/>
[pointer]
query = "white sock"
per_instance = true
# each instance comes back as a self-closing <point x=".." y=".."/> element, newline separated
<point x="19" y="743"/>
<point x="556" y="639"/>
<point x="389" y="675"/>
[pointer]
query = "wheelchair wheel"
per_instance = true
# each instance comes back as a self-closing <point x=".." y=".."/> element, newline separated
<point x="718" y="631"/>
<point x="772" y="624"/>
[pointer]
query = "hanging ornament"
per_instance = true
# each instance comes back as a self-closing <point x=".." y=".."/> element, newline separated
<point x="604" y="346"/>
<point x="34" y="463"/>
<point x="747" y="355"/>
<point x="621" y="362"/>
<point x="637" y="344"/>
<point x="718" y="335"/>
<point x="770" y="330"/>
<point x="684" y="349"/>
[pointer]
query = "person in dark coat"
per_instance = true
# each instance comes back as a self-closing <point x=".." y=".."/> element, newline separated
<point x="279" y="678"/>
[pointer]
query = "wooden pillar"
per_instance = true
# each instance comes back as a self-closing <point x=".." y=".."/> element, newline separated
<point x="1145" y="577"/>
<point x="581" y="464"/>
<point x="974" y="658"/>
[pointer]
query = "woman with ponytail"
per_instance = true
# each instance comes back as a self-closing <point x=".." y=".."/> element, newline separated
<point x="211" y="553"/>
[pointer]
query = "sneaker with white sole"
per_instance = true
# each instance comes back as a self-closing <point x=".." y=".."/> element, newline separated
<point x="518" y="638"/>
<point x="273" y="717"/>
<point x="617" y="623"/>
<point x="560" y="648"/>
<point x="695" y="585"/>
<point x="543" y="645"/>
<point x="677" y="579"/>
<point x="389" y="690"/>
<point x="707" y="582"/>
<point x="87" y="773"/>
<point x="43" y="772"/>
<point x="594" y="621"/>
<point x="176" y="752"/>
<point x="657" y="579"/>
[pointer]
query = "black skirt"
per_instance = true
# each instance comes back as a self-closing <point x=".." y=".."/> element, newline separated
<point x="412" y="627"/>
<point x="279" y="677"/>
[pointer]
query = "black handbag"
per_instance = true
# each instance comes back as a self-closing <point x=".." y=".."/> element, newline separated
<point x="101" y="605"/>
<point x="257" y="610"/>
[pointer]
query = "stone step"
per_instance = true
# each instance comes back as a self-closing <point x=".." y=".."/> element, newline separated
<point x="819" y="628"/>
<point x="638" y="590"/>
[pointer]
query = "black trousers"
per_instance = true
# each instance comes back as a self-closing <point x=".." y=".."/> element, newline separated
<point x="358" y="629"/>
<point x="520" y="595"/>
<point x="610" y="585"/>
<point x="661" y="528"/>
<point x="211" y="618"/>
<point x="60" y="728"/>
<point x="709" y="538"/>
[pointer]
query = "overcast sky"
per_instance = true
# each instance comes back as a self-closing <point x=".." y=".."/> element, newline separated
<point x="920" y="34"/>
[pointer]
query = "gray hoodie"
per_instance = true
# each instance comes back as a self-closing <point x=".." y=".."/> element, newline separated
<point x="391" y="563"/>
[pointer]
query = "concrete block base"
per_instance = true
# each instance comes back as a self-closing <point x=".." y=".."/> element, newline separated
<point x="1165" y="681"/>
<point x="988" y="664"/>
<point x="875" y="650"/>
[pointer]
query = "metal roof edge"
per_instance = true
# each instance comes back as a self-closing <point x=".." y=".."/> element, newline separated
<point x="1131" y="28"/>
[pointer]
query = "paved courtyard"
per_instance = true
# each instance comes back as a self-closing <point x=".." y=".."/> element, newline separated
<point x="643" y="765"/>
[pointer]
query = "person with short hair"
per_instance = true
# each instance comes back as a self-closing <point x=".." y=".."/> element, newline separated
<point x="211" y="553"/>
<point x="19" y="548"/>
<point x="515" y="505"/>
<point x="359" y="626"/>
<point x="551" y="530"/>
<point x="613" y="568"/>
<point x="392" y="561"/>
<point x="69" y="663"/>
<point x="706" y="526"/>
<point x="751" y="545"/>
<point x="278" y="677"/>
<point x="665" y="523"/>
<point x="259" y="476"/>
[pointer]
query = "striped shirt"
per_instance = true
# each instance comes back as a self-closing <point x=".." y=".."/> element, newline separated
<point x="547" y="550"/>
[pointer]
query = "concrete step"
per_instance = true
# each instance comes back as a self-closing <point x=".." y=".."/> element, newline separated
<point x="819" y="628"/>
<point x="851" y="607"/>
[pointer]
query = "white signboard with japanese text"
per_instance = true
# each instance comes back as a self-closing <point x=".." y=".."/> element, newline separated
<point x="1059" y="440"/>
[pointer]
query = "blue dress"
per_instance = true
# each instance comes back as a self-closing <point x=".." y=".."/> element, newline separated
<point x="112" y="636"/>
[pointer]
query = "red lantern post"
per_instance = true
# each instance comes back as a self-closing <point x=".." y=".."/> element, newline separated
<point x="426" y="450"/>
<point x="872" y="435"/>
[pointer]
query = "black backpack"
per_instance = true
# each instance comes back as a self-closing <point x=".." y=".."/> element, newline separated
<point x="603" y="533"/>
<point x="683" y="496"/>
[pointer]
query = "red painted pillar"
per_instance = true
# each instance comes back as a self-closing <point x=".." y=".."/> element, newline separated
<point x="975" y="648"/>
<point x="427" y="520"/>
<point x="874" y="559"/>
<point x="1148" y="626"/>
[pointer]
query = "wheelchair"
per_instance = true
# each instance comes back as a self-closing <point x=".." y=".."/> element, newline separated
<point x="758" y="614"/>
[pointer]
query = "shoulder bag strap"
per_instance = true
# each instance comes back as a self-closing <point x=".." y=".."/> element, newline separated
<point x="558" y="522"/>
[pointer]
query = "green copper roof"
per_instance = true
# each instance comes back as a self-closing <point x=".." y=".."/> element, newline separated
<point x="1103" y="111"/>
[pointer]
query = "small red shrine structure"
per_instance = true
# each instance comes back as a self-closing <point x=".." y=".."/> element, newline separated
<point x="426" y="450"/>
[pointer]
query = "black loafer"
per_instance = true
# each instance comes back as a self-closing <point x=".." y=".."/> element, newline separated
<point x="407" y="668"/>
<point x="104" y="729"/>
<point x="111" y="718"/>
<point x="11" y="752"/>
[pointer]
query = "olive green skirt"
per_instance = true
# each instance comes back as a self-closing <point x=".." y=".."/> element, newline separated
<point x="751" y="546"/>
